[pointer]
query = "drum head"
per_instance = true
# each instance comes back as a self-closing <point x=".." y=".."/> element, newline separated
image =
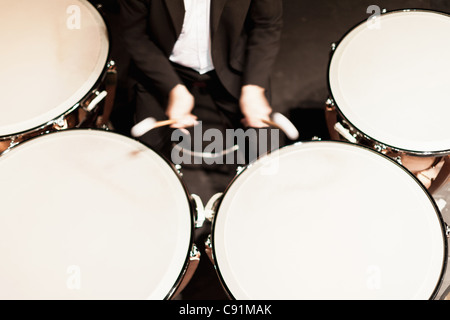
<point x="91" y="215"/>
<point x="328" y="220"/>
<point x="53" y="53"/>
<point x="392" y="83"/>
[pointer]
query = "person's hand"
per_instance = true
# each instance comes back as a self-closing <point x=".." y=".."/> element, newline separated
<point x="180" y="106"/>
<point x="254" y="106"/>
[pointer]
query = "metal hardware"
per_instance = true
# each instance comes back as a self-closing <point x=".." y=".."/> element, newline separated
<point x="200" y="209"/>
<point x="178" y="168"/>
<point x="330" y="102"/>
<point x="99" y="97"/>
<point x="380" y="147"/>
<point x="345" y="133"/>
<point x="111" y="66"/>
<point x="61" y="123"/>
<point x="211" y="206"/>
<point x="195" y="253"/>
<point x="208" y="242"/>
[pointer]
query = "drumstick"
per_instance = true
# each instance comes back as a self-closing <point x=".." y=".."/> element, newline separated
<point x="279" y="121"/>
<point x="148" y="124"/>
<point x="271" y="123"/>
<point x="165" y="123"/>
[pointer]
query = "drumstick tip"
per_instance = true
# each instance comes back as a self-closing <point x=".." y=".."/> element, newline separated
<point x="141" y="128"/>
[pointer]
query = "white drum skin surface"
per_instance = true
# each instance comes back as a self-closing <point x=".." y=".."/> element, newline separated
<point x="391" y="82"/>
<point x="54" y="52"/>
<point x="328" y="220"/>
<point x="88" y="214"/>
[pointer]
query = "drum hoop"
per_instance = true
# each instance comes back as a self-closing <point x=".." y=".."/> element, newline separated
<point x="427" y="193"/>
<point x="64" y="114"/>
<point x="189" y="198"/>
<point x="436" y="153"/>
<point x="97" y="84"/>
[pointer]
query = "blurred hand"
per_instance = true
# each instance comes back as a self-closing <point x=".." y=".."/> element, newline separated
<point x="254" y="106"/>
<point x="180" y="106"/>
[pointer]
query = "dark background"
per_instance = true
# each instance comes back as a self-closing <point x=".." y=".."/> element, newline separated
<point x="299" y="85"/>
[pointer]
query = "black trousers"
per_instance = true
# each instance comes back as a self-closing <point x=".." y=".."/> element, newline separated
<point x="215" y="107"/>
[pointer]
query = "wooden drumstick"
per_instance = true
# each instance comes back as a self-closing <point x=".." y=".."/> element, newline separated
<point x="271" y="123"/>
<point x="278" y="121"/>
<point x="164" y="123"/>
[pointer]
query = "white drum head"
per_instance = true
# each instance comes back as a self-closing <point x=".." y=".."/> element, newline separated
<point x="90" y="215"/>
<point x="328" y="220"/>
<point x="53" y="53"/>
<point x="392" y="83"/>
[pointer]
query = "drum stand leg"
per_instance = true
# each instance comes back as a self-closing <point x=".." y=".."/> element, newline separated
<point x="331" y="120"/>
<point x="111" y="88"/>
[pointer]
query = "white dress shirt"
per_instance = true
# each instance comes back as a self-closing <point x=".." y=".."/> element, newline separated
<point x="193" y="47"/>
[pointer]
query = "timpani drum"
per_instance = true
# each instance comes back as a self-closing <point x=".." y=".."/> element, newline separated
<point x="389" y="82"/>
<point x="328" y="220"/>
<point x="54" y="60"/>
<point x="89" y="214"/>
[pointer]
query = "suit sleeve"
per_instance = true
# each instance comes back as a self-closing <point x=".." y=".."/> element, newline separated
<point x="266" y="21"/>
<point x="148" y="57"/>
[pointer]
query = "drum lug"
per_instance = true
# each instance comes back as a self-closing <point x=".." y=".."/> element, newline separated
<point x="178" y="169"/>
<point x="380" y="147"/>
<point x="60" y="123"/>
<point x="239" y="169"/>
<point x="208" y="242"/>
<point x="195" y="253"/>
<point x="112" y="67"/>
<point x="399" y="160"/>
<point x="333" y="46"/>
<point x="330" y="104"/>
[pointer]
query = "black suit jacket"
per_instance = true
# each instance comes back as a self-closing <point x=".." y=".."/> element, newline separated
<point x="245" y="36"/>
